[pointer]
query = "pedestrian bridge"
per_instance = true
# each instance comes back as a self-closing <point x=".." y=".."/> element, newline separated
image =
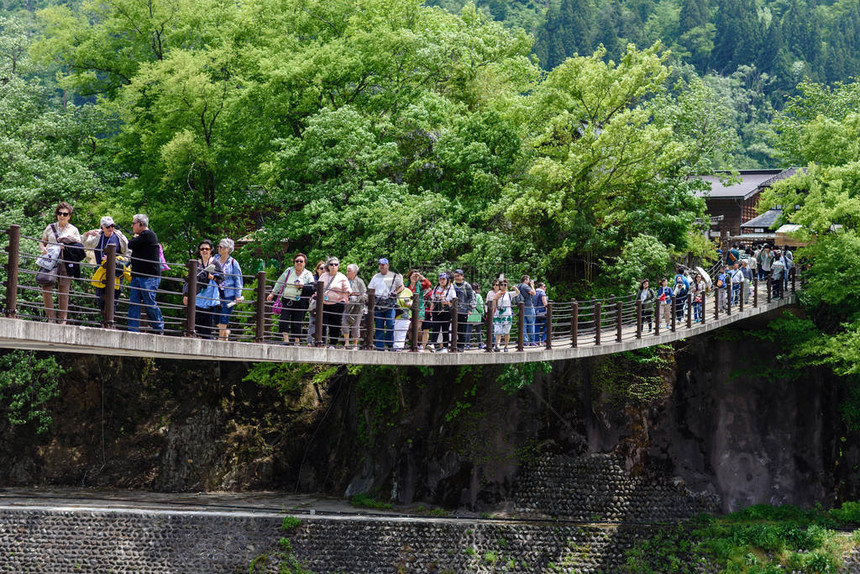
<point x="574" y="329"/>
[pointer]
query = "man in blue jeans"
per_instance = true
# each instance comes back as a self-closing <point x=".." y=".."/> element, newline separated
<point x="145" y="275"/>
<point x="386" y="285"/>
<point x="527" y="293"/>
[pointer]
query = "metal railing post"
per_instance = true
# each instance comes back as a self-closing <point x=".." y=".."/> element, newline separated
<point x="598" y="321"/>
<point x="521" y="325"/>
<point x="548" y="325"/>
<point x="191" y="299"/>
<point x="110" y="286"/>
<point x="574" y="323"/>
<point x="371" y="319"/>
<point x="260" y="318"/>
<point x="12" y="270"/>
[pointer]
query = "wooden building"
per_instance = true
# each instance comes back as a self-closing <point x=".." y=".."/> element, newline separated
<point x="736" y="202"/>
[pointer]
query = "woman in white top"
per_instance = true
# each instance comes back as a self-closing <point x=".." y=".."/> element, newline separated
<point x="503" y="315"/>
<point x="335" y="296"/>
<point x="293" y="288"/>
<point x="61" y="232"/>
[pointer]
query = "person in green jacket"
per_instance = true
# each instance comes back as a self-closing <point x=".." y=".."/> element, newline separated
<point x="476" y="316"/>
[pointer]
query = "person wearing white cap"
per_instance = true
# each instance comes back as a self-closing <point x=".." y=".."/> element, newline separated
<point x="96" y="242"/>
<point x="386" y="285"/>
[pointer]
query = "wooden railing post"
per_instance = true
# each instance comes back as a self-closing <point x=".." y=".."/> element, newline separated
<point x="490" y="309"/>
<point x="12" y="270"/>
<point x="455" y="327"/>
<point x="638" y="318"/>
<point x="689" y="310"/>
<point x="741" y="295"/>
<point x="549" y="325"/>
<point x="318" y="331"/>
<point x="110" y="287"/>
<point x="716" y="304"/>
<point x="657" y="306"/>
<point x="574" y="323"/>
<point x="414" y="331"/>
<point x="769" y="287"/>
<point x="703" y="312"/>
<point x="521" y="326"/>
<point x="673" y="312"/>
<point x="598" y="321"/>
<point x="260" y="334"/>
<point x="191" y="299"/>
<point x="730" y="292"/>
<point x="618" y="319"/>
<point x="369" y="343"/>
<point x="792" y="273"/>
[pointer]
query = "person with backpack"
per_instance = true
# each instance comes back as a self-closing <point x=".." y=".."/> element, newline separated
<point x="539" y="300"/>
<point x="679" y="295"/>
<point x="777" y="270"/>
<point x="698" y="288"/>
<point x="96" y="242"/>
<point x="439" y="314"/>
<point x="476" y="317"/>
<point x="465" y="304"/>
<point x="664" y="295"/>
<point x="526" y="290"/>
<point x="420" y="287"/>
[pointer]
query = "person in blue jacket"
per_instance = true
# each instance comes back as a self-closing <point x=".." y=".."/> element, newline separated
<point x="231" y="287"/>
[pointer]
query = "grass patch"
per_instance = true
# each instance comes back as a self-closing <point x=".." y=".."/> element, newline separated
<point x="758" y="540"/>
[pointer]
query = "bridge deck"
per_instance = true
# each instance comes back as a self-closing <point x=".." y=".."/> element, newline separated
<point x="22" y="334"/>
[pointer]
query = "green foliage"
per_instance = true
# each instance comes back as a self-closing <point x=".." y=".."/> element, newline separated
<point x="759" y="539"/>
<point x="366" y="501"/>
<point x="289" y="378"/>
<point x="645" y="257"/>
<point x="27" y="385"/>
<point x="516" y="377"/>
<point x="637" y="376"/>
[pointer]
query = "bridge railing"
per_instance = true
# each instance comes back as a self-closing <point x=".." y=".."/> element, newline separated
<point x="188" y="312"/>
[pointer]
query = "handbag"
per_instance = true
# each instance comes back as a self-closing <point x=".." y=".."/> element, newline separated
<point x="47" y="276"/>
<point x="278" y="306"/>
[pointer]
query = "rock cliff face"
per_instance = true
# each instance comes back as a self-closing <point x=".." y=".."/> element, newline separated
<point x="717" y="425"/>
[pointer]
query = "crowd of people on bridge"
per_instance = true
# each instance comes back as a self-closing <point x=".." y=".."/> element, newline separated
<point x="403" y="304"/>
<point x="342" y="310"/>
<point x="732" y="283"/>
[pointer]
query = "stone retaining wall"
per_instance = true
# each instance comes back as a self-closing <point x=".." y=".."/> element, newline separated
<point x="101" y="541"/>
<point x="596" y="487"/>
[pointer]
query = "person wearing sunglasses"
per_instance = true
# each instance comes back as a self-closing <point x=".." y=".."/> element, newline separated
<point x="319" y="269"/>
<point x="210" y="276"/>
<point x="293" y="289"/>
<point x="56" y="237"/>
<point x="231" y="288"/>
<point x="96" y="242"/>
<point x="335" y="295"/>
